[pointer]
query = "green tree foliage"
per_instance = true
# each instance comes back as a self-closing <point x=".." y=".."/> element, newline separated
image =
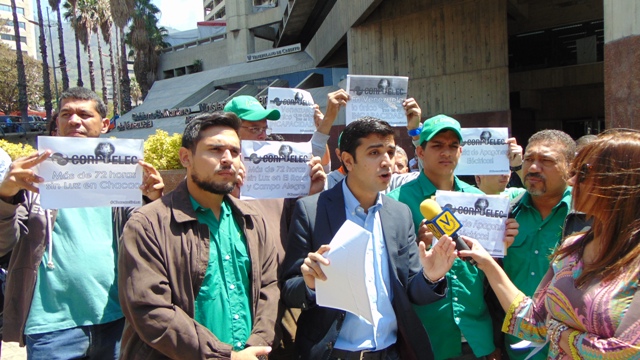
<point x="145" y="38"/>
<point x="162" y="150"/>
<point x="9" y="80"/>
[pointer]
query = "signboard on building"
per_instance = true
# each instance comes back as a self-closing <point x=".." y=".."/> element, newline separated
<point x="274" y="52"/>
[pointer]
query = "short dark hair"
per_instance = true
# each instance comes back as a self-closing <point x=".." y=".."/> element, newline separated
<point x="584" y="140"/>
<point x="556" y="137"/>
<point x="81" y="93"/>
<point x="352" y="135"/>
<point x="193" y="131"/>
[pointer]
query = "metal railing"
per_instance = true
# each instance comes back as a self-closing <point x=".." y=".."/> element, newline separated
<point x="21" y="127"/>
<point x="193" y="43"/>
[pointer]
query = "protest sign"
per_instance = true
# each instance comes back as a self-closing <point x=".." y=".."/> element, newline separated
<point x="377" y="96"/>
<point x="484" y="152"/>
<point x="90" y="172"/>
<point x="275" y="169"/>
<point x="483" y="217"/>
<point x="296" y="111"/>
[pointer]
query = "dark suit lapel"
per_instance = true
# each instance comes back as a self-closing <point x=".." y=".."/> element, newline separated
<point x="334" y="208"/>
<point x="387" y="218"/>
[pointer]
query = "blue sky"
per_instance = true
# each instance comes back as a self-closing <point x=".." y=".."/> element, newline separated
<point x="180" y="14"/>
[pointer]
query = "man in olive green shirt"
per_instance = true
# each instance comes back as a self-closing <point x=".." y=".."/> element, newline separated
<point x="540" y="210"/>
<point x="463" y="312"/>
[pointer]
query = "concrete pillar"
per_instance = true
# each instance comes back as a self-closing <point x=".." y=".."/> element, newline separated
<point x="240" y="40"/>
<point x="622" y="63"/>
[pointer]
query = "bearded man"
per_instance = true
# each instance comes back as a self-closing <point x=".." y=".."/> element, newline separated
<point x="197" y="271"/>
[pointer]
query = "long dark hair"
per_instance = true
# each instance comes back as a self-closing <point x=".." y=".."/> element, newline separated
<point x="612" y="164"/>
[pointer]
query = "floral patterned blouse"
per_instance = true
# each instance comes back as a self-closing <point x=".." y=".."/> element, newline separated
<point x="596" y="310"/>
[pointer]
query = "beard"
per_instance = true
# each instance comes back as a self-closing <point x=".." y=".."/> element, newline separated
<point x="218" y="188"/>
<point x="536" y="191"/>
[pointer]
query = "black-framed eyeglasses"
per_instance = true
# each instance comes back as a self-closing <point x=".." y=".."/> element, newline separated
<point x="257" y="130"/>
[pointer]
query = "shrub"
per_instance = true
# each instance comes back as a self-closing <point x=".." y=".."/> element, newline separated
<point x="161" y="150"/>
<point x="16" y="150"/>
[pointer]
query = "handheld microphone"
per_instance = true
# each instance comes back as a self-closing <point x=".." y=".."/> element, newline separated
<point x="443" y="222"/>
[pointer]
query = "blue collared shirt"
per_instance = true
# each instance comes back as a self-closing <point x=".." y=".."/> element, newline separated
<point x="356" y="333"/>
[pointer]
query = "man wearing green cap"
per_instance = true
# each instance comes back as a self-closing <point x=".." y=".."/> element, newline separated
<point x="254" y="117"/>
<point x="463" y="314"/>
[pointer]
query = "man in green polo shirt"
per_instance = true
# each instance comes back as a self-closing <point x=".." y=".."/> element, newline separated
<point x="463" y="313"/>
<point x="197" y="270"/>
<point x="540" y="210"/>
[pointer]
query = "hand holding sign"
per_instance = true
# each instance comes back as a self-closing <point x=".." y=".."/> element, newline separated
<point x="21" y="175"/>
<point x="152" y="183"/>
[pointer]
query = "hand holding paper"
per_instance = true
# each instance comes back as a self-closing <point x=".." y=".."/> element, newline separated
<point x="345" y="286"/>
<point x="311" y="267"/>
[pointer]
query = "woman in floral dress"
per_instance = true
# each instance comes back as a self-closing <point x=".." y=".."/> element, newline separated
<point x="586" y="306"/>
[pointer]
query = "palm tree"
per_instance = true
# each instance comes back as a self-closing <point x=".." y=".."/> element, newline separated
<point x="105" y="24"/>
<point x="121" y="11"/>
<point x="81" y="17"/>
<point x="71" y="5"/>
<point x="45" y="64"/>
<point x="55" y="5"/>
<point x="146" y="38"/>
<point x="23" y="101"/>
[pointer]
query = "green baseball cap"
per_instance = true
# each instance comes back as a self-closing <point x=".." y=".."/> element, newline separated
<point x="249" y="108"/>
<point x="436" y="124"/>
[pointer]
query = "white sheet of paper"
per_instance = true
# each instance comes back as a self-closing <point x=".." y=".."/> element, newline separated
<point x="484" y="152"/>
<point x="483" y="217"/>
<point x="91" y="172"/>
<point x="296" y="111"/>
<point x="345" y="287"/>
<point x="275" y="169"/>
<point x="378" y="96"/>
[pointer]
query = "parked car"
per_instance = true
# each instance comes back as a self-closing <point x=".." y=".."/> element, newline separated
<point x="10" y="123"/>
<point x="36" y="123"/>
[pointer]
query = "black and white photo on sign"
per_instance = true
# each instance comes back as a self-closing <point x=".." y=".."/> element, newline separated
<point x="377" y="96"/>
<point x="275" y="169"/>
<point x="484" y="152"/>
<point x="483" y="217"/>
<point x="296" y="111"/>
<point x="91" y="172"/>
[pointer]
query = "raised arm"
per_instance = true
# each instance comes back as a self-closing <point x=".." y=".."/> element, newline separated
<point x="15" y="191"/>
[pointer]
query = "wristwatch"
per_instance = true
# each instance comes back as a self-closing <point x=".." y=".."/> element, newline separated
<point x="515" y="168"/>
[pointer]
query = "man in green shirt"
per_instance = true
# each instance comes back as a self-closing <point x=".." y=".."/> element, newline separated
<point x="197" y="270"/>
<point x="463" y="313"/>
<point x="540" y="210"/>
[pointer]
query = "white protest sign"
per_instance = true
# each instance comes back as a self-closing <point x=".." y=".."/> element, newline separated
<point x="484" y="152"/>
<point x="296" y="111"/>
<point x="276" y="169"/>
<point x="483" y="217"/>
<point x="90" y="172"/>
<point x="377" y="96"/>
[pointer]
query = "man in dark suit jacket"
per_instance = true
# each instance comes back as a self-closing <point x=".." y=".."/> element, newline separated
<point x="398" y="272"/>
